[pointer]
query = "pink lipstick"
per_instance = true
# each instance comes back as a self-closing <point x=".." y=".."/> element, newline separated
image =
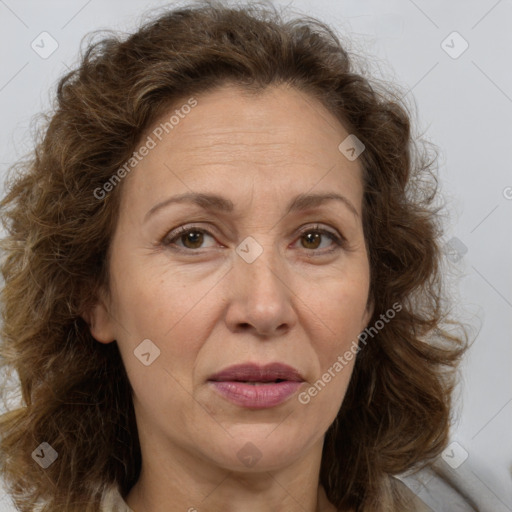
<point x="257" y="387"/>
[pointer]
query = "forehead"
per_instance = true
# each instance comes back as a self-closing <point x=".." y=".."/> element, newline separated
<point x="281" y="138"/>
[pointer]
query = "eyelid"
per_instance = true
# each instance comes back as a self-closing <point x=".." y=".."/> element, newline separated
<point x="177" y="232"/>
<point x="322" y="229"/>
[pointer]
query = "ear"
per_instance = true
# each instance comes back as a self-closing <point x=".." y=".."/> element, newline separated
<point x="368" y="312"/>
<point x="100" y="321"/>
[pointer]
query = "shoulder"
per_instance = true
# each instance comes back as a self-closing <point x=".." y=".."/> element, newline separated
<point x="414" y="503"/>
<point x="442" y="487"/>
<point x="112" y="501"/>
<point x="397" y="496"/>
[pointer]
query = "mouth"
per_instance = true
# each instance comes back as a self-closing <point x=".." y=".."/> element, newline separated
<point x="258" y="374"/>
<point x="255" y="386"/>
<point x="257" y="383"/>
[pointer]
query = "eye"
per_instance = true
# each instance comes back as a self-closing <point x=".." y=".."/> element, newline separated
<point x="311" y="238"/>
<point x="193" y="237"/>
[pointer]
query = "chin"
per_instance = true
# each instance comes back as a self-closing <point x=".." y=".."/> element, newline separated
<point x="254" y="450"/>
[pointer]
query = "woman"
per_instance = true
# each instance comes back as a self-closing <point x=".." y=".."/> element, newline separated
<point x="222" y="280"/>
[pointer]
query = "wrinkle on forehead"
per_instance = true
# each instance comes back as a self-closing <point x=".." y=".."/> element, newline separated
<point x="279" y="137"/>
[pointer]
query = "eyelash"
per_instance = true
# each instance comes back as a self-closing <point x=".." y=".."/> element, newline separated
<point x="168" y="240"/>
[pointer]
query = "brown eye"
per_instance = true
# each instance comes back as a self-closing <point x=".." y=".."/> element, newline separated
<point x="190" y="238"/>
<point x="311" y="239"/>
<point x="194" y="238"/>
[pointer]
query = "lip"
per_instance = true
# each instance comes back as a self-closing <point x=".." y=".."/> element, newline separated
<point x="232" y="384"/>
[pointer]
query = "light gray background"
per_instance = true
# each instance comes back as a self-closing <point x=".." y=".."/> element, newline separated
<point x="464" y="107"/>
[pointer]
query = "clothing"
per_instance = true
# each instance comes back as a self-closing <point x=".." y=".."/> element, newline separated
<point x="113" y="502"/>
<point x="461" y="489"/>
<point x="447" y="498"/>
<point x="435" y="489"/>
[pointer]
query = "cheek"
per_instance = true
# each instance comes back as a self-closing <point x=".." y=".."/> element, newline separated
<point x="153" y="302"/>
<point x="173" y="318"/>
<point x="168" y="310"/>
<point x="341" y="307"/>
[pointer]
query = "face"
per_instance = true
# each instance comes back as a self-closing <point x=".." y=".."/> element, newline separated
<point x="255" y="277"/>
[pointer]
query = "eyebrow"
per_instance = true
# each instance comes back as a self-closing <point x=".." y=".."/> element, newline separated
<point x="215" y="202"/>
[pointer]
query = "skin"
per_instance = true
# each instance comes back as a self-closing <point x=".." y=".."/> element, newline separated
<point x="206" y="308"/>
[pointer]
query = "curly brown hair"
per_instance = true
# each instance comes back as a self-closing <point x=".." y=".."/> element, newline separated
<point x="75" y="393"/>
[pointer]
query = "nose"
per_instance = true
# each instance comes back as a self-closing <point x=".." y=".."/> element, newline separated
<point x="260" y="296"/>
